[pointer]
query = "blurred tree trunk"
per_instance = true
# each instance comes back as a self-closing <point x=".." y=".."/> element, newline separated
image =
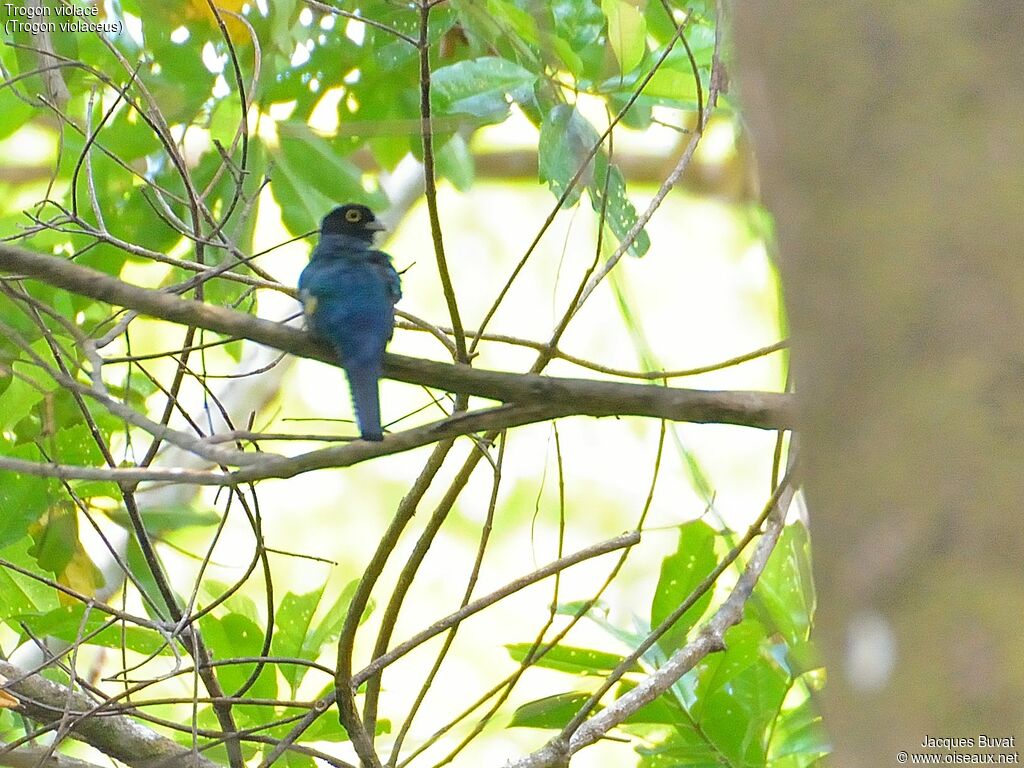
<point x="891" y="149"/>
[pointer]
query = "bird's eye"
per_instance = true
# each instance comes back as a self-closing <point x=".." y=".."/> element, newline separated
<point x="353" y="216"/>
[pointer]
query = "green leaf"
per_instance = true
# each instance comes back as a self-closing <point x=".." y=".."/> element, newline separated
<point x="26" y="389"/>
<point x="23" y="498"/>
<point x="566" y="139"/>
<point x="578" y="22"/>
<point x="161" y="520"/>
<point x="480" y="87"/>
<point x="70" y="623"/>
<point x="620" y="215"/>
<point x="681" y="747"/>
<point x="238" y="602"/>
<point x="319" y="163"/>
<point x="40" y="597"/>
<point x="681" y="572"/>
<point x="737" y="717"/>
<point x="13" y="599"/>
<point x="784" y="596"/>
<point x="237" y="636"/>
<point x="301" y="208"/>
<point x="799" y="735"/>
<point x="664" y="710"/>
<point x="292" y="622"/>
<point x="455" y="163"/>
<point x="743" y="649"/>
<point x="740" y="692"/>
<point x="673" y="86"/>
<point x="14" y="113"/>
<point x="129" y="135"/>
<point x="311" y="177"/>
<point x="549" y="712"/>
<point x="75" y="444"/>
<point x="586" y="607"/>
<point x="298" y="635"/>
<point x="56" y="540"/>
<point x="565" y="658"/>
<point x="295" y="760"/>
<point x="328" y="728"/>
<point x="627" y="32"/>
<point x="329" y="629"/>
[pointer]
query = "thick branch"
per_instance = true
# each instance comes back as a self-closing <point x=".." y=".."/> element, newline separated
<point x="115" y="735"/>
<point x="39" y="757"/>
<point x="764" y="410"/>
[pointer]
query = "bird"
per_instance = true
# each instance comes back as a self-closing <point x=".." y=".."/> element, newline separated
<point x="348" y="292"/>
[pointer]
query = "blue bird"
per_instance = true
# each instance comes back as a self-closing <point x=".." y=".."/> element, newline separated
<point x="348" y="292"/>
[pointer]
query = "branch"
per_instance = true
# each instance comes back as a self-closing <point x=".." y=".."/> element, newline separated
<point x="624" y="541"/>
<point x="763" y="410"/>
<point x="39" y="757"/>
<point x="114" y="735"/>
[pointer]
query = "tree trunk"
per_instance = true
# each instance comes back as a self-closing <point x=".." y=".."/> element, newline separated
<point x="890" y="139"/>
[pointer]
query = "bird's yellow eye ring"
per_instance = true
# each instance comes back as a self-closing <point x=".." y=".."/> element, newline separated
<point x="353" y="216"/>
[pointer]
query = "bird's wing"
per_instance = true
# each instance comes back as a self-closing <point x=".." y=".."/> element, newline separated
<point x="391" y="278"/>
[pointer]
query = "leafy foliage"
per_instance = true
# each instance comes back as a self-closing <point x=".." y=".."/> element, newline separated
<point x="749" y="705"/>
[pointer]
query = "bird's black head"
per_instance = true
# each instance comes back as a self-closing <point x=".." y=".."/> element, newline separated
<point x="352" y="219"/>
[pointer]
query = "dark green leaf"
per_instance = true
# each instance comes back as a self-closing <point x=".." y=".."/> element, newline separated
<point x="681" y="747"/>
<point x="320" y="164"/>
<point x="311" y="177"/>
<point x="578" y="22"/>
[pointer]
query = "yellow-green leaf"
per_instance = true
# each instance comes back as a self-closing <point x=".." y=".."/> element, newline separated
<point x="627" y="32"/>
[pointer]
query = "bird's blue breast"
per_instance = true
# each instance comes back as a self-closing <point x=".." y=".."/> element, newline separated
<point x="349" y="295"/>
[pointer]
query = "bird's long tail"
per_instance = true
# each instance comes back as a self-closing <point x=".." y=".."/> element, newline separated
<point x="362" y="382"/>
